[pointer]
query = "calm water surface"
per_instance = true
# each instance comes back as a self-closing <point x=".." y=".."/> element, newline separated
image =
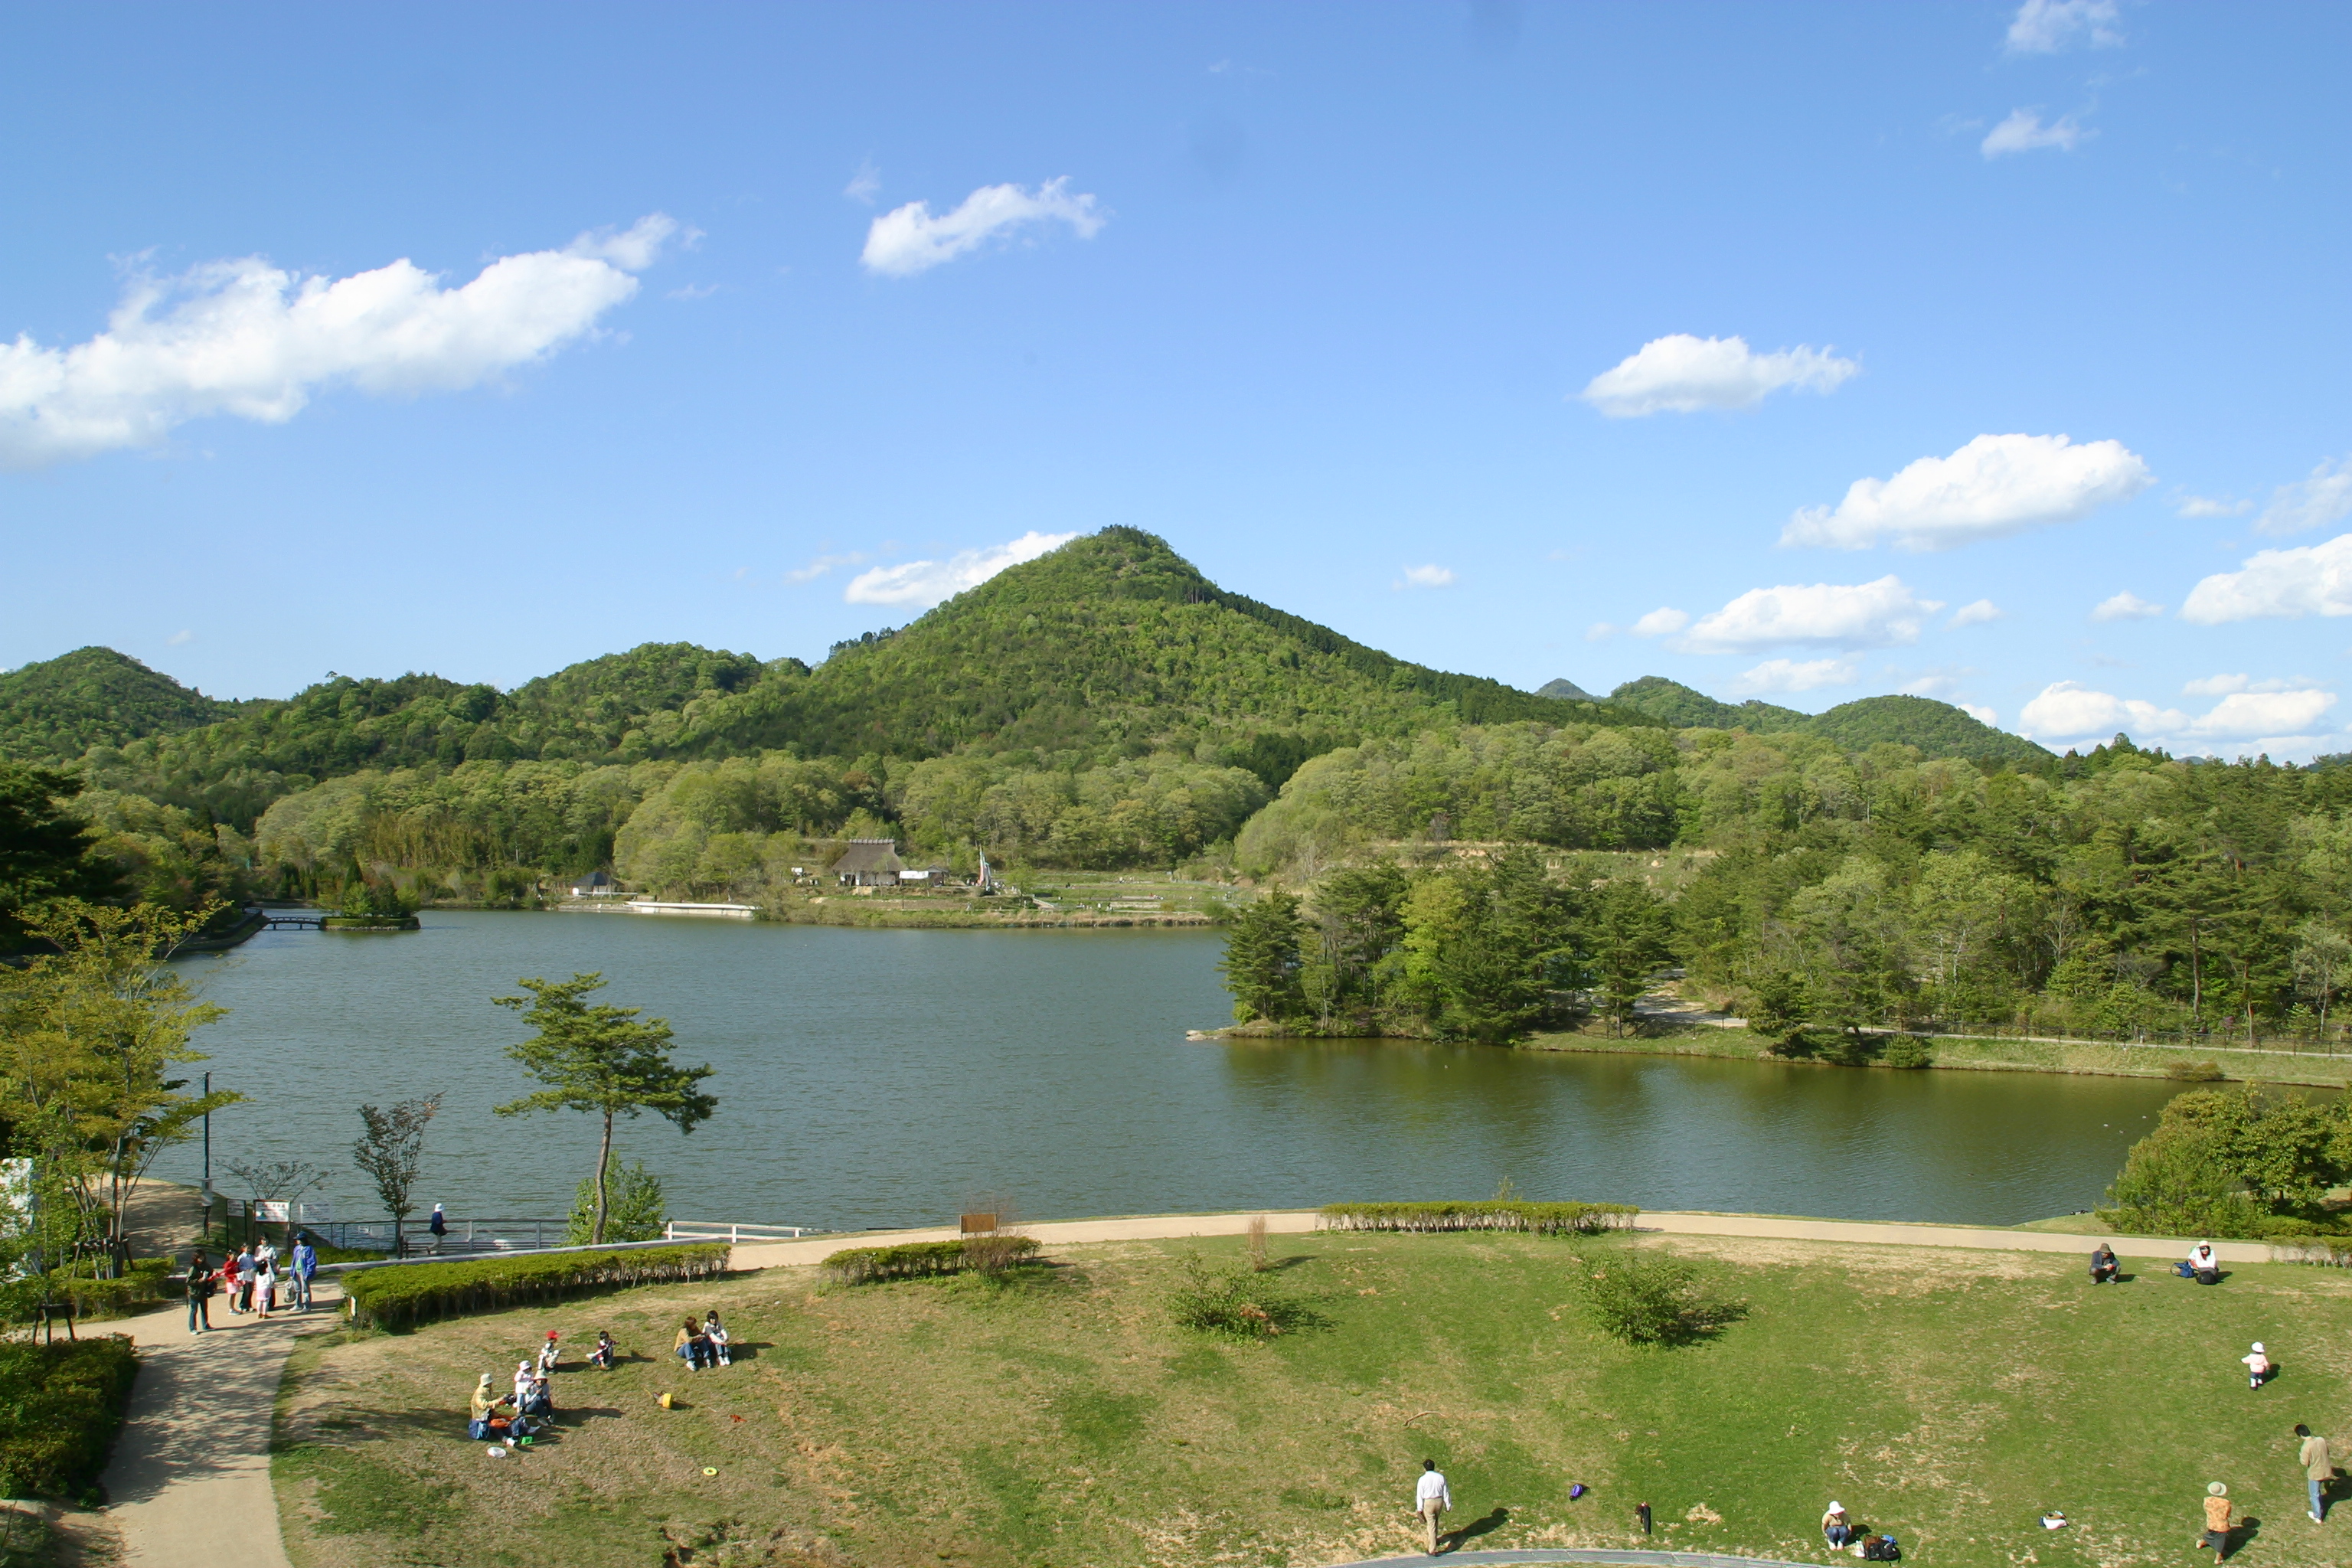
<point x="895" y="1077"/>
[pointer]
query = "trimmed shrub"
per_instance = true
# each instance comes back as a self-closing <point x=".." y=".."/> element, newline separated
<point x="1906" y="1051"/>
<point x="1542" y="1219"/>
<point x="2194" y="1072"/>
<point x="61" y="1406"/>
<point x="925" y="1259"/>
<point x="149" y="1284"/>
<point x="404" y="1294"/>
<point x="1240" y="1303"/>
<point x="1656" y="1301"/>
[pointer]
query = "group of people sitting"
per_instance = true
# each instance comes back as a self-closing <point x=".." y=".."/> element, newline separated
<point x="1844" y="1535"/>
<point x="703" y="1343"/>
<point x="518" y="1417"/>
<point x="2201" y="1265"/>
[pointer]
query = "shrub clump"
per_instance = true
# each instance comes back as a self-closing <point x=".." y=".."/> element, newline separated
<point x="404" y="1294"/>
<point x="1541" y="1219"/>
<point x="925" y="1259"/>
<point x="61" y="1406"/>
<point x="1656" y="1301"/>
<point x="1241" y="1303"/>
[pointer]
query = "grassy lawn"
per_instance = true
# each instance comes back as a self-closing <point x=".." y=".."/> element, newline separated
<point x="1945" y="1396"/>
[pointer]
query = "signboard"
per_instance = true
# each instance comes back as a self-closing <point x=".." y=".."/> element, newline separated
<point x="274" y="1210"/>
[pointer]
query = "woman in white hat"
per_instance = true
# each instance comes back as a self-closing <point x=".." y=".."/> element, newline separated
<point x="1836" y="1528"/>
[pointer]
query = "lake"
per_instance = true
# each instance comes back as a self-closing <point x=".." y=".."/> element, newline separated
<point x="873" y="1077"/>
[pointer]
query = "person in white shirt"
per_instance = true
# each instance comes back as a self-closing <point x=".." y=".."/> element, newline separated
<point x="2258" y="1365"/>
<point x="1431" y="1499"/>
<point x="2200" y="1265"/>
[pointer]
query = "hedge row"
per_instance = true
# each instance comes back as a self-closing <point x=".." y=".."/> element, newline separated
<point x="61" y="1406"/>
<point x="1543" y="1219"/>
<point x="917" y="1260"/>
<point x="407" y="1293"/>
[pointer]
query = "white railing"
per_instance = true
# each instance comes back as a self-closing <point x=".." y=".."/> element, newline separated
<point x="731" y="1233"/>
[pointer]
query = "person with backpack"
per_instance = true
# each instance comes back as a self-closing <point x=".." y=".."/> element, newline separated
<point x="200" y="1292"/>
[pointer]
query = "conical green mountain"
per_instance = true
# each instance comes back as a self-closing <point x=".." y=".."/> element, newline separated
<point x="95" y="697"/>
<point x="1937" y="728"/>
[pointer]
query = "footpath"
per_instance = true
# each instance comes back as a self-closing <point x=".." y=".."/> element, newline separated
<point x="189" y="1483"/>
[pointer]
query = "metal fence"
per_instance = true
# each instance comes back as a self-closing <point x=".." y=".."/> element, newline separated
<point x="728" y="1231"/>
<point x="466" y="1237"/>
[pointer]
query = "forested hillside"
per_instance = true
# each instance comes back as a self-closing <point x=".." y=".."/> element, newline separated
<point x="1937" y="728"/>
<point x="59" y="709"/>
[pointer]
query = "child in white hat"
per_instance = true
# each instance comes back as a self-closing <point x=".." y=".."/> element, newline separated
<point x="2258" y="1365"/>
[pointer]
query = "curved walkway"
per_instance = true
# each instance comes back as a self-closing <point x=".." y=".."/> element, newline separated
<point x="189" y="1483"/>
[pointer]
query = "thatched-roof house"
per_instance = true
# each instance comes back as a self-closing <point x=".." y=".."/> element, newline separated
<point x="869" y="863"/>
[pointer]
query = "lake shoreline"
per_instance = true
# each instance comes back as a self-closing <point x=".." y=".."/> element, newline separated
<point x="2073" y="1058"/>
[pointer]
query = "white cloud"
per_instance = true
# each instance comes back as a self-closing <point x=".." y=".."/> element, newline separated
<point x="2046" y="27"/>
<point x="181" y="639"/>
<point x="1980" y="613"/>
<point x="1661" y="622"/>
<point x="1682" y="374"/>
<point x="2068" y="712"/>
<point x="2125" y="605"/>
<point x="1994" y="486"/>
<point x="2309" y="579"/>
<point x="865" y="185"/>
<point x="1426" y="577"/>
<point x="250" y="340"/>
<point x="926" y="582"/>
<point x="1865" y="615"/>
<point x="2024" y="131"/>
<point x="1789" y="674"/>
<point x="1980" y="714"/>
<point x="2211" y="505"/>
<point x="1601" y="631"/>
<point x="907" y="240"/>
<point x="2324" y="498"/>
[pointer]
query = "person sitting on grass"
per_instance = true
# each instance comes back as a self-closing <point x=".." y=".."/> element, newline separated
<point x="540" y="1400"/>
<point x="2217" y="1521"/>
<point x="606" y="1353"/>
<point x="692" y="1348"/>
<point x="714" y="1333"/>
<point x="2104" y="1266"/>
<point x="2200" y="1265"/>
<point x="482" y="1408"/>
<point x="1836" y="1528"/>
<point x="547" y="1353"/>
<point x="2260" y="1368"/>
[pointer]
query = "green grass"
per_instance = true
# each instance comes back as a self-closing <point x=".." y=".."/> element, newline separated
<point x="1948" y="1396"/>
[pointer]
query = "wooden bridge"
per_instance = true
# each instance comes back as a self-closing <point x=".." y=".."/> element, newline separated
<point x="295" y="922"/>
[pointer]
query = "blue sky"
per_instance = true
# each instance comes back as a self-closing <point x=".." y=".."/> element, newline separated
<point x="1416" y="320"/>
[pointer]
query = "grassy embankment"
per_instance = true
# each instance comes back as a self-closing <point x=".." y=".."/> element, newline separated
<point x="1948" y="1396"/>
<point x="2266" y="1065"/>
<point x="1063" y="899"/>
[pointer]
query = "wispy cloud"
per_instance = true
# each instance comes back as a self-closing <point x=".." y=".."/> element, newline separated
<point x="1682" y="374"/>
<point x="926" y="582"/>
<point x="865" y="185"/>
<point x="1994" y="486"/>
<point x="821" y="564"/>
<point x="2211" y="505"/>
<point x="246" y="339"/>
<point x="1425" y="577"/>
<point x="2125" y="605"/>
<point x="2024" y="131"/>
<point x="1661" y="622"/>
<point x="911" y="240"/>
<point x="2314" y="502"/>
<point x="181" y="639"/>
<point x="1791" y="675"/>
<point x="2046" y="27"/>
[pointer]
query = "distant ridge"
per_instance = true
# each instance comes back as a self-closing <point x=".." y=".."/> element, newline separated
<point x="1937" y="728"/>
<point x="59" y="708"/>
<point x="1566" y="691"/>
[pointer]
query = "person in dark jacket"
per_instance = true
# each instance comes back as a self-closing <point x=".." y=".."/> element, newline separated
<point x="200" y="1295"/>
<point x="2104" y="1266"/>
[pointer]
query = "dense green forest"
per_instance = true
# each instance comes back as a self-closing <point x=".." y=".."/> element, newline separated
<point x="1104" y="706"/>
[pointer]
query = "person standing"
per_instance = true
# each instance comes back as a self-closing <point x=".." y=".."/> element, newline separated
<point x="240" y="1280"/>
<point x="305" y="1265"/>
<point x="2318" y="1466"/>
<point x="200" y="1291"/>
<point x="264" y="1283"/>
<point x="438" y="1225"/>
<point x="2217" y="1521"/>
<point x="1431" y="1499"/>
<point x="2258" y="1364"/>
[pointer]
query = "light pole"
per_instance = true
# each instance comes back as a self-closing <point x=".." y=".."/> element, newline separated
<point x="205" y="1222"/>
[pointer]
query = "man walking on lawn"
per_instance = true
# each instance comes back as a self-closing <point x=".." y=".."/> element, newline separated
<point x="2318" y="1464"/>
<point x="1431" y="1499"/>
